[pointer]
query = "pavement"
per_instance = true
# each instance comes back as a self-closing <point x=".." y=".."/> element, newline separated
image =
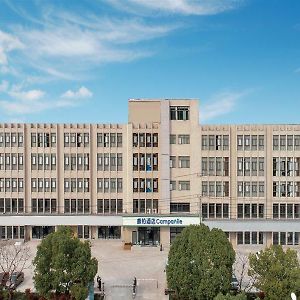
<point x="118" y="267"/>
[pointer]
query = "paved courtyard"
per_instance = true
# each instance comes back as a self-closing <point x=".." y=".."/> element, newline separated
<point x="118" y="267"/>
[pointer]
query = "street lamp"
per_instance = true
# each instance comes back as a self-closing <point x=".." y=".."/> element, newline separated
<point x="293" y="296"/>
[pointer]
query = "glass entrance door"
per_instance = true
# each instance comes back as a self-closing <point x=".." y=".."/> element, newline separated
<point x="149" y="236"/>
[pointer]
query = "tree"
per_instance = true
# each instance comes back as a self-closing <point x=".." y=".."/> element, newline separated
<point x="240" y="268"/>
<point x="276" y="272"/>
<point x="14" y="258"/>
<point x="200" y="263"/>
<point x="231" y="297"/>
<point x="63" y="265"/>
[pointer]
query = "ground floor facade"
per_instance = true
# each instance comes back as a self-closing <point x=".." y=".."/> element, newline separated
<point x="149" y="230"/>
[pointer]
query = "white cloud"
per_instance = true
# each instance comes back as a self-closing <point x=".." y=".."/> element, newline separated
<point x="184" y="7"/>
<point x="220" y="104"/>
<point x="8" y="43"/>
<point x="82" y="92"/>
<point x="70" y="44"/>
<point x="33" y="101"/>
<point x="22" y="107"/>
<point x="31" y="95"/>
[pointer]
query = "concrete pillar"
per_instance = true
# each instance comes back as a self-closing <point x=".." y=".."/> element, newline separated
<point x="94" y="232"/>
<point x="127" y="234"/>
<point x="165" y="237"/>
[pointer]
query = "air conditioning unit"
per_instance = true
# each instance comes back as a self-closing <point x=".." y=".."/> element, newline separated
<point x="148" y="210"/>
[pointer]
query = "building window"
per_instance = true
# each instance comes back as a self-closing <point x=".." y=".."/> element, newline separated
<point x="172" y="139"/>
<point x="109" y="232"/>
<point x="215" y="210"/>
<point x="175" y="231"/>
<point x="286" y="238"/>
<point x="149" y="206"/>
<point x="183" y="161"/>
<point x="179" y="113"/>
<point x="180" y="207"/>
<point x="184" y="185"/>
<point x="172" y="161"/>
<point x="247" y="211"/>
<point x="250" y="238"/>
<point x="183" y="139"/>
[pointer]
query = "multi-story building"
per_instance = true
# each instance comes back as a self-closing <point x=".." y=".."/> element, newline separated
<point x="143" y="181"/>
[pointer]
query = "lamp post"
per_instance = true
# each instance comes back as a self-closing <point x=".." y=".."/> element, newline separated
<point x="293" y="296"/>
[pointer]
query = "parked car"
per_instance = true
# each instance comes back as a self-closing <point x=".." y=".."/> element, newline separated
<point x="16" y="279"/>
<point x="234" y="283"/>
<point x="4" y="276"/>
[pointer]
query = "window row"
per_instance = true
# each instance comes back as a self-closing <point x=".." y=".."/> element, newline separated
<point x="76" y="139"/>
<point x="250" y="211"/>
<point x="250" y="166"/>
<point x="286" y="142"/>
<point x="286" y="189"/>
<point x="179" y="207"/>
<point x="43" y="140"/>
<point x="286" y="211"/>
<point x="109" y="206"/>
<point x="43" y="161"/>
<point x="11" y="185"/>
<point x="11" y="205"/>
<point x="77" y="206"/>
<point x="42" y="206"/>
<point x="109" y="185"/>
<point x="250" y="142"/>
<point x="286" y="166"/>
<point x="145" y="162"/>
<point x="181" y="185"/>
<point x="148" y="206"/>
<point x="286" y="238"/>
<point x="145" y="139"/>
<point x="12" y="232"/>
<point x="215" y="142"/>
<point x="179" y="162"/>
<point x="215" y="166"/>
<point x="43" y="185"/>
<point x="11" y="161"/>
<point x="148" y="185"/>
<point x="78" y="185"/>
<point x="251" y="189"/>
<point x="215" y="210"/>
<point x="14" y="139"/>
<point x="215" y="188"/>
<point x="181" y="139"/>
<point x="250" y="238"/>
<point x="180" y="113"/>
<point x="77" y="162"/>
<point x="109" y="162"/>
<point x="108" y="140"/>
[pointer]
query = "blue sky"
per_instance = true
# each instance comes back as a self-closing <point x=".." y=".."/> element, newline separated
<point x="80" y="61"/>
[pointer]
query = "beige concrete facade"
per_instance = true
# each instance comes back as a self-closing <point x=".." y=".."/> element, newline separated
<point x="162" y="171"/>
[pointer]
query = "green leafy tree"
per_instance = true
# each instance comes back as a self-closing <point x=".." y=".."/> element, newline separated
<point x="200" y="263"/>
<point x="231" y="297"/>
<point x="63" y="265"/>
<point x="276" y="272"/>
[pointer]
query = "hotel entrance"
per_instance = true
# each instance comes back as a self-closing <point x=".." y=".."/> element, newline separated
<point x="146" y="236"/>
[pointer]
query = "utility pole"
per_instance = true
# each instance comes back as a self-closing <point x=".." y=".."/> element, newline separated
<point x="200" y="208"/>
